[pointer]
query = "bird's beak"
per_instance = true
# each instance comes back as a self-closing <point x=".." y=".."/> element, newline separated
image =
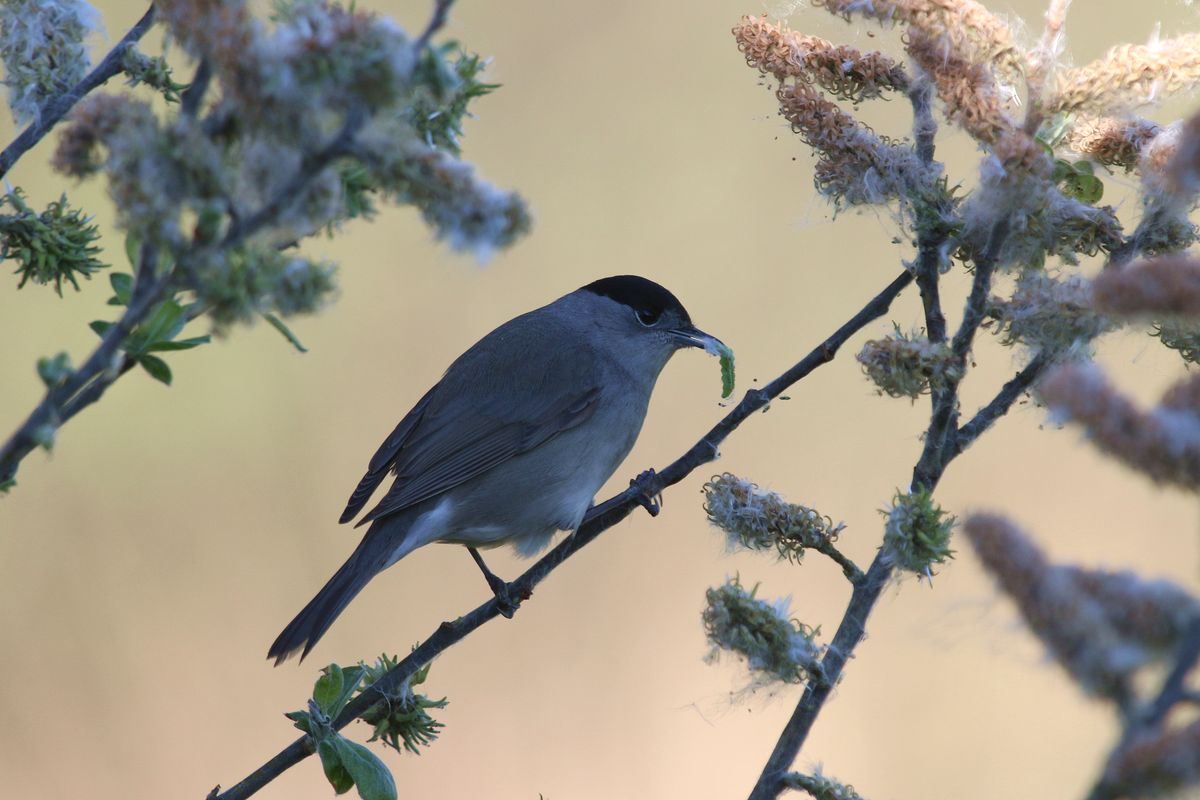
<point x="690" y="336"/>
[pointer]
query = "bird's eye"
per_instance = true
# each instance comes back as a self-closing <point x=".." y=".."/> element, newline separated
<point x="647" y="316"/>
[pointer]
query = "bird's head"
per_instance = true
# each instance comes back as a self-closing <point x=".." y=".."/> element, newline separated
<point x="641" y="320"/>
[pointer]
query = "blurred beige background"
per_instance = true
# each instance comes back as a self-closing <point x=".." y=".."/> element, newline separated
<point x="146" y="565"/>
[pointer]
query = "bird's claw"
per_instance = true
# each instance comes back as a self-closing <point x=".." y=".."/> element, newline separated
<point x="508" y="601"/>
<point x="651" y="502"/>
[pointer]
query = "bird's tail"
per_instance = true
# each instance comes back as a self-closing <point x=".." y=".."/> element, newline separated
<point x="310" y="624"/>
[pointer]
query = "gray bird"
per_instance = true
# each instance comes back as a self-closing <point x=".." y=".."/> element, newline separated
<point x="515" y="440"/>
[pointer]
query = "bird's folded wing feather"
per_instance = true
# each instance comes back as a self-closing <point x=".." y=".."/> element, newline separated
<point x="383" y="459"/>
<point x="483" y="412"/>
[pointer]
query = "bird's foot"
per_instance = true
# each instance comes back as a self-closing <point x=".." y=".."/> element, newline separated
<point x="651" y="502"/>
<point x="507" y="601"/>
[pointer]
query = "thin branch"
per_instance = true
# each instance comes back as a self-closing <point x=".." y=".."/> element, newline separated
<point x="441" y="10"/>
<point x="56" y="108"/>
<point x="599" y="519"/>
<point x="929" y="246"/>
<point x="1000" y="404"/>
<point x="849" y="633"/>
<point x="943" y="424"/>
<point x="851" y="570"/>
<point x="193" y="96"/>
<point x="926" y="474"/>
<point x="342" y="144"/>
<point x="97" y="373"/>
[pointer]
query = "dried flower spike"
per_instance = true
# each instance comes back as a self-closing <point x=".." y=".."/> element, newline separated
<point x="1181" y="336"/>
<point x="775" y="646"/>
<point x="854" y="165"/>
<point x="1163" y="443"/>
<point x="1112" y="141"/>
<point x="974" y="33"/>
<point x="967" y="89"/>
<point x="1129" y="76"/>
<point x="41" y="45"/>
<point x="1049" y="314"/>
<point x="1069" y="622"/>
<point x="840" y="70"/>
<point x="761" y="520"/>
<point x="903" y="365"/>
<point x="1164" y="286"/>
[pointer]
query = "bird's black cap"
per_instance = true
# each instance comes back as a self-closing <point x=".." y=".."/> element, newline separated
<point x="638" y="293"/>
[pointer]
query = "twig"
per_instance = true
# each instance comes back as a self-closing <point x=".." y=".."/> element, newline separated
<point x="849" y="633"/>
<point x="342" y="144"/>
<point x="441" y="10"/>
<point x="929" y="245"/>
<point x="193" y="96"/>
<point x="849" y="568"/>
<point x="1000" y="404"/>
<point x="599" y="519"/>
<point x="943" y="424"/>
<point x="55" y="108"/>
<point x="926" y="474"/>
<point x="94" y="376"/>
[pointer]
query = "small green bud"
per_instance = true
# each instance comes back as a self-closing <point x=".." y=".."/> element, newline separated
<point x="53" y="371"/>
<point x="917" y="533"/>
<point x="52" y="247"/>
<point x="402" y="719"/>
<point x="43" y="436"/>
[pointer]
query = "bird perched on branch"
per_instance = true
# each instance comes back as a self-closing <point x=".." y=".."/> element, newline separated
<point x="515" y="440"/>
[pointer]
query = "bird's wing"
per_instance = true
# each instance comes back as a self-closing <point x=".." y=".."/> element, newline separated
<point x="384" y="459"/>
<point x="469" y="447"/>
<point x="498" y="400"/>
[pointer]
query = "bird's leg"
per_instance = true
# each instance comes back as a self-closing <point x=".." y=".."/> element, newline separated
<point x="505" y="602"/>
<point x="651" y="502"/>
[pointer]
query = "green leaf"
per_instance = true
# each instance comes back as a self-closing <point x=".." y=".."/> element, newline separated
<point x="100" y="326"/>
<point x="301" y="719"/>
<point x="163" y="325"/>
<point x="157" y="368"/>
<point x="328" y="688"/>
<point x="337" y="775"/>
<point x="370" y="775"/>
<point x="278" y="325"/>
<point x="7" y="486"/>
<point x="133" y="250"/>
<point x="1086" y="188"/>
<point x="335" y="687"/>
<point x="122" y="285"/>
<point x="179" y="344"/>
